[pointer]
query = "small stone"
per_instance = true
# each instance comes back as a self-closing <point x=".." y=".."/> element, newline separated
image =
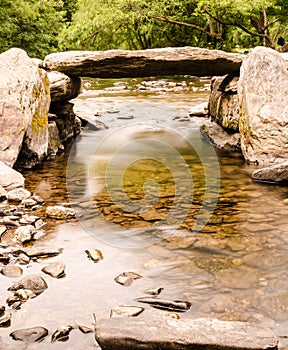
<point x="285" y="201"/>
<point x="163" y="304"/>
<point x="2" y="310"/>
<point x="38" y="199"/>
<point x="60" y="212"/>
<point x="55" y="269"/>
<point x="24" y="233"/>
<point x="24" y="294"/>
<point x="61" y="334"/>
<point x="127" y="278"/>
<point x="3" y="229"/>
<point x="153" y="291"/>
<point x="10" y="222"/>
<point x="18" y="194"/>
<point x="94" y="254"/>
<point x="171" y="314"/>
<point x="36" y="252"/>
<point x="35" y="283"/>
<point x="28" y="203"/>
<point x="12" y="271"/>
<point x="5" y="319"/>
<point x="3" y="193"/>
<point x="30" y="335"/>
<point x="23" y="259"/>
<point x="126" y="311"/>
<point x="85" y="329"/>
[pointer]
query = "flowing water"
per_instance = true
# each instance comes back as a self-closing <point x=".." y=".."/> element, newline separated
<point x="158" y="201"/>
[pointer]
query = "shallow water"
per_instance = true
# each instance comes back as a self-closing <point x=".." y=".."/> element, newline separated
<point x="157" y="200"/>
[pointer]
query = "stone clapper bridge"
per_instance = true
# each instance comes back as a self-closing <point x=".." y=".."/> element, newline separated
<point x="161" y="333"/>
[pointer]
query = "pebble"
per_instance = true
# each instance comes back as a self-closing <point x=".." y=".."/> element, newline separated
<point x="5" y="319"/>
<point x="12" y="271"/>
<point x="127" y="278"/>
<point x="126" y="311"/>
<point x="60" y="212"/>
<point x="85" y="329"/>
<point x="94" y="254"/>
<point x="30" y="335"/>
<point x="18" y="194"/>
<point x="154" y="291"/>
<point x="164" y="304"/>
<point x="55" y="269"/>
<point x="61" y="333"/>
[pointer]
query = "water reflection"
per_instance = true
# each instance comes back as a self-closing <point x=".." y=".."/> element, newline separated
<point x="234" y="268"/>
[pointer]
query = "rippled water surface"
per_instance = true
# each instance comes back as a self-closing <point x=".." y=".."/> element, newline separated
<point x="157" y="200"/>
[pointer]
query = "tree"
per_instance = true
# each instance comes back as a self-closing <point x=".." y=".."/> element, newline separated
<point x="32" y="25"/>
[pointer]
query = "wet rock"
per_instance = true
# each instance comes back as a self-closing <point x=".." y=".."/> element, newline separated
<point x="24" y="294"/>
<point x="3" y="229"/>
<point x="63" y="87"/>
<point x="61" y="334"/>
<point x="60" y="212"/>
<point x="3" y="193"/>
<point x="38" y="199"/>
<point x="153" y="291"/>
<point x="164" y="304"/>
<point x="36" y="252"/>
<point x="35" y="283"/>
<point x="200" y="110"/>
<point x="143" y="63"/>
<point x="28" y="203"/>
<point x="171" y="314"/>
<point x="23" y="259"/>
<point x="223" y="102"/>
<point x="127" y="278"/>
<point x="85" y="329"/>
<point x="94" y="254"/>
<point x="30" y="335"/>
<point x="2" y="310"/>
<point x="5" y="319"/>
<point x="171" y="334"/>
<point x="126" y="311"/>
<point x="221" y="139"/>
<point x="10" y="178"/>
<point x="8" y="222"/>
<point x="11" y="271"/>
<point x="55" y="144"/>
<point x="55" y="269"/>
<point x="18" y="194"/>
<point x="24" y="234"/>
<point x="263" y="99"/>
<point x="276" y="173"/>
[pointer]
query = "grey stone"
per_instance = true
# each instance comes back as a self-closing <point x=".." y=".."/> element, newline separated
<point x="24" y="104"/>
<point x="132" y="334"/>
<point x="127" y="278"/>
<point x="60" y="212"/>
<point x="276" y="173"/>
<point x="10" y="178"/>
<point x="200" y="110"/>
<point x="35" y="283"/>
<point x="18" y="194"/>
<point x="263" y="101"/>
<point x="11" y="271"/>
<point x="54" y="145"/>
<point x="63" y="87"/>
<point x="24" y="233"/>
<point x="153" y="62"/>
<point x="126" y="311"/>
<point x="30" y="335"/>
<point x="221" y="139"/>
<point x="55" y="269"/>
<point x="223" y="102"/>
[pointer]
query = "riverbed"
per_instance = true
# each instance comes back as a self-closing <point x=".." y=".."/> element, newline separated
<point x="159" y="201"/>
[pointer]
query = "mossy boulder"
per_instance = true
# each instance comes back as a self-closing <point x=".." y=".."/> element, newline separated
<point x="24" y="105"/>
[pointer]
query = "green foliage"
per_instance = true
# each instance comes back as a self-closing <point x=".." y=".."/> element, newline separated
<point x="33" y="25"/>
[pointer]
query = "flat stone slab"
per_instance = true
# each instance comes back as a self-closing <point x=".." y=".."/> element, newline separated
<point x="144" y="63"/>
<point x="172" y="334"/>
<point x="275" y="174"/>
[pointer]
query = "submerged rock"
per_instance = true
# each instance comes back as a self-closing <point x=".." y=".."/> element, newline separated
<point x="55" y="269"/>
<point x="164" y="304"/>
<point x="60" y="212"/>
<point x="94" y="254"/>
<point x="126" y="311"/>
<point x="30" y="335"/>
<point x="127" y="278"/>
<point x="35" y="283"/>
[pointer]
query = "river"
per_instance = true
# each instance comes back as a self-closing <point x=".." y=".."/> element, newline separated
<point x="157" y="200"/>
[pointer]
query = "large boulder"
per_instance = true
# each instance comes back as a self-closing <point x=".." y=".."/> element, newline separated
<point x="263" y="101"/>
<point x="24" y="105"/>
<point x="63" y="87"/>
<point x="130" y="334"/>
<point x="144" y="63"/>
